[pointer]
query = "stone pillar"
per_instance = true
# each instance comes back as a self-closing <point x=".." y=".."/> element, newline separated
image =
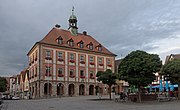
<point x="87" y="89"/>
<point x="54" y="89"/>
<point x="76" y="89"/>
<point x="41" y="89"/>
<point x="66" y="88"/>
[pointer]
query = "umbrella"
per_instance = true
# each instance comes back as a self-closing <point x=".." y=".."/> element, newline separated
<point x="167" y="86"/>
<point x="160" y="85"/>
<point x="171" y="87"/>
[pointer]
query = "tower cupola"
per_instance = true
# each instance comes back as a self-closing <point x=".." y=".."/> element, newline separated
<point x="73" y="23"/>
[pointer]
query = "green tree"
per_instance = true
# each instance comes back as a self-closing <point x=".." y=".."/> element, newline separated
<point x="137" y="69"/>
<point x="107" y="77"/>
<point x="3" y="83"/>
<point x="172" y="69"/>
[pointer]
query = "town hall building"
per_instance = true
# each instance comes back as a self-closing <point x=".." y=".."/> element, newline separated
<point x="65" y="63"/>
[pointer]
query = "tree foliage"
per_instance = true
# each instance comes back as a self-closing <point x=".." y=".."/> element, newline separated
<point x="3" y="83"/>
<point x="107" y="77"/>
<point x="138" y="67"/>
<point x="172" y="68"/>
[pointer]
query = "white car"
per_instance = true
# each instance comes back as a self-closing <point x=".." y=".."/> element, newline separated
<point x="15" y="98"/>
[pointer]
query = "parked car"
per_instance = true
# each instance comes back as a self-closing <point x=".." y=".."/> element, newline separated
<point x="15" y="98"/>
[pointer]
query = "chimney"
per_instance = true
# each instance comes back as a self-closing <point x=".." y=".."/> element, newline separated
<point x="57" y="26"/>
<point x="84" y="33"/>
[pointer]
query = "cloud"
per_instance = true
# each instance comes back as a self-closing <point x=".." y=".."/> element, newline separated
<point x="120" y="25"/>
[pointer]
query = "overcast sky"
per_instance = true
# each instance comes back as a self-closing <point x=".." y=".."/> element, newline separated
<point x="120" y="25"/>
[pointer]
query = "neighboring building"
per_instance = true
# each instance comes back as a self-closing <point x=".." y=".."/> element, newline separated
<point x="24" y="84"/>
<point x="158" y="76"/>
<point x="13" y="85"/>
<point x="122" y="86"/>
<point x="65" y="62"/>
<point x="7" y="92"/>
<point x="172" y="57"/>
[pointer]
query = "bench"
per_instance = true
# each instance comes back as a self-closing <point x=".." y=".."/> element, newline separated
<point x="118" y="99"/>
<point x="163" y="98"/>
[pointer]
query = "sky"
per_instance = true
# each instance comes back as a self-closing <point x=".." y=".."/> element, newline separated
<point x="122" y="26"/>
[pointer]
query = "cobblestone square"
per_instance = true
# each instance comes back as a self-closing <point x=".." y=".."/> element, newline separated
<point x="87" y="103"/>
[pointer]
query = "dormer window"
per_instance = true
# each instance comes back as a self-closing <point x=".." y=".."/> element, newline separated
<point x="70" y="42"/>
<point x="81" y="44"/>
<point x="59" y="40"/>
<point x="99" y="47"/>
<point x="90" y="46"/>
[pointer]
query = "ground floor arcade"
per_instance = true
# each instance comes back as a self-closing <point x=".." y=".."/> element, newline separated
<point x="58" y="89"/>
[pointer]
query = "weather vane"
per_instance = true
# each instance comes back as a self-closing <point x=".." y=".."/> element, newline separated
<point x="72" y="10"/>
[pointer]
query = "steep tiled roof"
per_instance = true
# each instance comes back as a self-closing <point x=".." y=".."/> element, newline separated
<point x="55" y="33"/>
<point x="173" y="56"/>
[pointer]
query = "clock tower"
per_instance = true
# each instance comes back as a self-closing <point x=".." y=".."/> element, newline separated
<point x="73" y="24"/>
